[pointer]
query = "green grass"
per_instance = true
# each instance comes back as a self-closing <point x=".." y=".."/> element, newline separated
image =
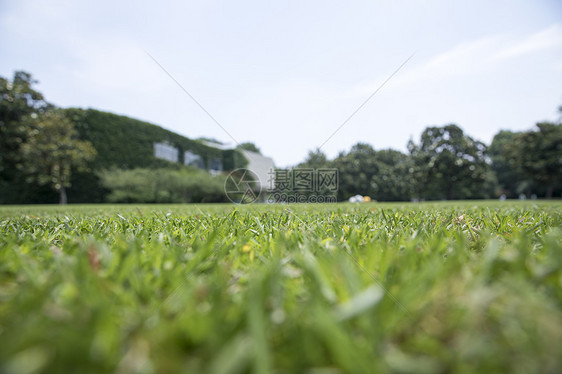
<point x="371" y="288"/>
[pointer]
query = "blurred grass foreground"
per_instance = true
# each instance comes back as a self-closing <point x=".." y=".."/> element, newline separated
<point x="370" y="288"/>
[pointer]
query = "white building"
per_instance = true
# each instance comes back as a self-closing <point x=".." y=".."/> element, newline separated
<point x="263" y="167"/>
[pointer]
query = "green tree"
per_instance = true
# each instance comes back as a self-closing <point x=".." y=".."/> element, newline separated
<point x="510" y="176"/>
<point x="52" y="149"/>
<point x="18" y="99"/>
<point x="319" y="163"/>
<point x="357" y="169"/>
<point x="315" y="159"/>
<point x="393" y="182"/>
<point x="383" y="175"/>
<point x="449" y="164"/>
<point x="538" y="154"/>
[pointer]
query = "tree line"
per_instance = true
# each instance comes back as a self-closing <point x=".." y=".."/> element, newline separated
<point x="105" y="157"/>
<point x="448" y="164"/>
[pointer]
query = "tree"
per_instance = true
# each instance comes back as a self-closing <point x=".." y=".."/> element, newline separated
<point x="510" y="176"/>
<point x="383" y="175"/>
<point x="449" y="164"/>
<point x="356" y="171"/>
<point x="393" y="182"/>
<point x="52" y="149"/>
<point x="18" y="99"/>
<point x="315" y="159"/>
<point x="538" y="154"/>
<point x="249" y="146"/>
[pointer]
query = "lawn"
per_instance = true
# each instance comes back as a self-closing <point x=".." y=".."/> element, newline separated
<point x="332" y="288"/>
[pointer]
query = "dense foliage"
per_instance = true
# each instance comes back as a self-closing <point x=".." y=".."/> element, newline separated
<point x="449" y="165"/>
<point x="365" y="171"/>
<point x="511" y="179"/>
<point x="383" y="174"/>
<point x="373" y="288"/>
<point x="537" y="156"/>
<point x="52" y="150"/>
<point x="126" y="143"/>
<point x="163" y="185"/>
<point x="18" y="100"/>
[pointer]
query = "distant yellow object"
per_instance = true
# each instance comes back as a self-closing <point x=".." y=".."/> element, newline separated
<point x="366" y="199"/>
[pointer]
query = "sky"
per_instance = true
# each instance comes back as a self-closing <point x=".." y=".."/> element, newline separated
<point x="287" y="74"/>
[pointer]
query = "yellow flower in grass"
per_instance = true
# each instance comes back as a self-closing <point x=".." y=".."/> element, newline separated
<point x="248" y="248"/>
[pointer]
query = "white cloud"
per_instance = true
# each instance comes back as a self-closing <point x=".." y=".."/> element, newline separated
<point x="473" y="58"/>
<point x="467" y="58"/>
<point x="550" y="37"/>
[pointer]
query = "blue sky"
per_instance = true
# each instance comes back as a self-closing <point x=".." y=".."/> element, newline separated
<point x="286" y="75"/>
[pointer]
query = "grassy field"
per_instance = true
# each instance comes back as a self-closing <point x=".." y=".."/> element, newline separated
<point x="370" y="288"/>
